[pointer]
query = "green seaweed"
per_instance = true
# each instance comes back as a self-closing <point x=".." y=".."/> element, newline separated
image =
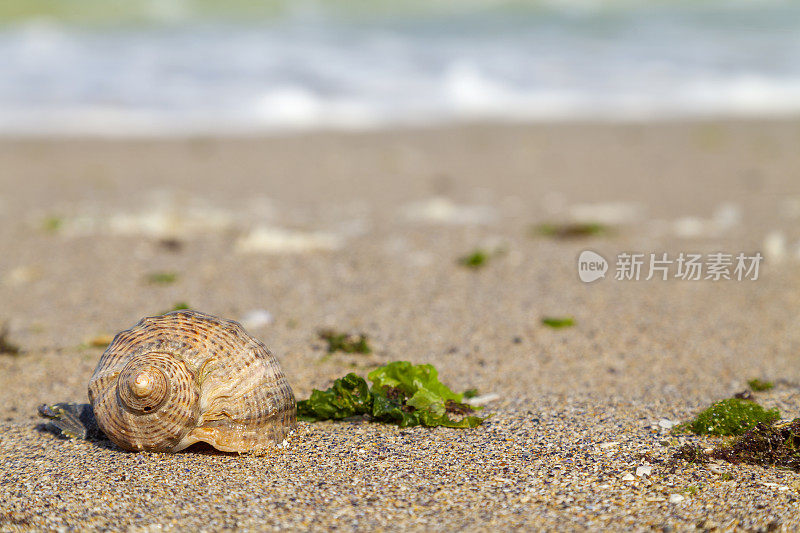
<point x="558" y="322"/>
<point x="757" y="385"/>
<point x="691" y="490"/>
<point x="52" y="224"/>
<point x="476" y="259"/>
<point x="345" y="342"/>
<point x="732" y="416"/>
<point x="570" y="230"/>
<point x="471" y="393"/>
<point x="179" y="306"/>
<point x="161" y="278"/>
<point x="401" y="393"/>
<point x="348" y="396"/>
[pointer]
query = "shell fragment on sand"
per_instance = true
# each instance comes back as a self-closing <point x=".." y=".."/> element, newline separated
<point x="774" y="246"/>
<point x="724" y="218"/>
<point x="161" y="222"/>
<point x="611" y="213"/>
<point x="443" y="211"/>
<point x="170" y="223"/>
<point x="482" y="399"/>
<point x="275" y="240"/>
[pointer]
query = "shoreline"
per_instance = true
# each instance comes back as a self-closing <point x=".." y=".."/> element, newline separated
<point x="248" y="133"/>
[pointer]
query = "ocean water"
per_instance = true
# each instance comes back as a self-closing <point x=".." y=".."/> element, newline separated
<point x="186" y="67"/>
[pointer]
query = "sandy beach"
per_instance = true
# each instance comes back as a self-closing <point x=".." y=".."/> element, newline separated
<point x="363" y="232"/>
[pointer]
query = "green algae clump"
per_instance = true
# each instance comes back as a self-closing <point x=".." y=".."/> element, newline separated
<point x="733" y="416"/>
<point x="759" y="386"/>
<point x="161" y="278"/>
<point x="345" y="342"/>
<point x="401" y="394"/>
<point x="558" y="322"/>
<point x="476" y="259"/>
<point x="571" y="230"/>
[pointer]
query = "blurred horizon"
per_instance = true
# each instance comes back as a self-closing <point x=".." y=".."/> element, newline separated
<point x="109" y="67"/>
<point x="116" y="12"/>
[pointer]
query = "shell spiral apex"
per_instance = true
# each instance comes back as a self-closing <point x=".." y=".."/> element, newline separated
<point x="185" y="377"/>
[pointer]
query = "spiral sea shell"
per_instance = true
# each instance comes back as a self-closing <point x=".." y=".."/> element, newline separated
<point x="185" y="377"/>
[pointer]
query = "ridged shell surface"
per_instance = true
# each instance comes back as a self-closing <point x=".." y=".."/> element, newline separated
<point x="185" y="377"/>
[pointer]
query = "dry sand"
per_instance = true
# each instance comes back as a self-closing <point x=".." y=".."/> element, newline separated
<point x="362" y="232"/>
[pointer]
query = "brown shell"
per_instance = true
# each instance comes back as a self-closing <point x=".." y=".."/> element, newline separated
<point x="184" y="377"/>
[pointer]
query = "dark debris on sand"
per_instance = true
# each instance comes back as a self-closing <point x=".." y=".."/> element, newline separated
<point x="6" y="346"/>
<point x="776" y="445"/>
<point x="765" y="445"/>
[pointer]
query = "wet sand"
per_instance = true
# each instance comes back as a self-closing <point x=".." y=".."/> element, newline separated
<point x="363" y="232"/>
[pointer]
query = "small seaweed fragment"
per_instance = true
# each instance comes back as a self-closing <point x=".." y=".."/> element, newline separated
<point x="692" y="490"/>
<point x="757" y="385"/>
<point x="733" y="416"/>
<point x="691" y="453"/>
<point x="6" y="346"/>
<point x="570" y="230"/>
<point x="470" y="393"/>
<point x="401" y="393"/>
<point x="766" y="445"/>
<point x="161" y="278"/>
<point x="558" y="322"/>
<point x="179" y="306"/>
<point x="345" y="342"/>
<point x="52" y="224"/>
<point x="476" y="259"/>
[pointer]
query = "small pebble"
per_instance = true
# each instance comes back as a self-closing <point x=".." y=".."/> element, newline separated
<point x="666" y="424"/>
